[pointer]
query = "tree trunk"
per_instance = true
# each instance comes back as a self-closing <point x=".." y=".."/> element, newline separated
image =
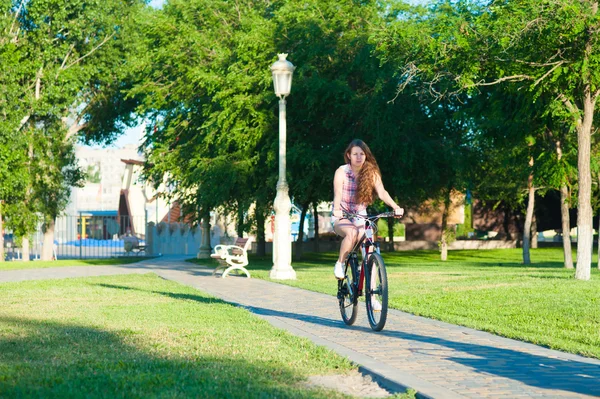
<point x="1" y="235"/>
<point x="566" y="226"/>
<point x="445" y="232"/>
<point x="584" y="174"/>
<point x="534" y="232"/>
<point x="584" y="203"/>
<point x="564" y="216"/>
<point x="25" y="249"/>
<point x="444" y="249"/>
<point x="261" y="249"/>
<point x="240" y="220"/>
<point x="205" y="249"/>
<point x="598" y="231"/>
<point x="316" y="217"/>
<point x="506" y="221"/>
<point x="528" y="219"/>
<point x="390" y="223"/>
<point x="48" y="244"/>
<point x="300" y="240"/>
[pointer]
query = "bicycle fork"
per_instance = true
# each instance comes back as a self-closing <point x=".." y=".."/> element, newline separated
<point x="355" y="285"/>
<point x="366" y="249"/>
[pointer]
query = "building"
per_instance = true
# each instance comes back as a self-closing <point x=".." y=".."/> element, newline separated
<point x="93" y="210"/>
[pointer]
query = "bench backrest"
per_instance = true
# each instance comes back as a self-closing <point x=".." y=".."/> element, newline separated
<point x="243" y="242"/>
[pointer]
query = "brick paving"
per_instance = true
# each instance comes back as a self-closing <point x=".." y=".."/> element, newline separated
<point x="437" y="359"/>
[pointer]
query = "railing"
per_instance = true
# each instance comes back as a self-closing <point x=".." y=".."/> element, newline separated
<point x="82" y="236"/>
<point x="87" y="236"/>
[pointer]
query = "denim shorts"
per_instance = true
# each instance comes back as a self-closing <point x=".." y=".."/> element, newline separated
<point x="358" y="222"/>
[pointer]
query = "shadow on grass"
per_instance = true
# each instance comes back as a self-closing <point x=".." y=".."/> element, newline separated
<point x="188" y="297"/>
<point x="57" y="360"/>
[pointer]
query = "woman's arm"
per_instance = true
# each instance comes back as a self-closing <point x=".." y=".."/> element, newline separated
<point x="385" y="196"/>
<point x="338" y="184"/>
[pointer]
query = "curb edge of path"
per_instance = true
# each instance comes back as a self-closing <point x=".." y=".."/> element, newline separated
<point x="391" y="385"/>
<point x="365" y="364"/>
<point x="401" y="381"/>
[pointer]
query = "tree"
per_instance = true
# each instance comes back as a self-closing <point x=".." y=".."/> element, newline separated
<point x="14" y="176"/>
<point x="65" y="56"/>
<point x="205" y="88"/>
<point x="564" y="65"/>
<point x="548" y="47"/>
<point x="345" y="91"/>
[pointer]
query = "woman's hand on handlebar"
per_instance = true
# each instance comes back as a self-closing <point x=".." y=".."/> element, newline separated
<point x="398" y="212"/>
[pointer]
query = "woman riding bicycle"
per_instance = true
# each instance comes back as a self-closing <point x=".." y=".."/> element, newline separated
<point x="354" y="186"/>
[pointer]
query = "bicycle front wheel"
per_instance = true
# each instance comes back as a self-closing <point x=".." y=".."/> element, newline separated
<point x="347" y="292"/>
<point x="376" y="292"/>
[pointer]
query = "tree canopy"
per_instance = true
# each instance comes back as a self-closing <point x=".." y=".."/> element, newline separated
<point x="495" y="97"/>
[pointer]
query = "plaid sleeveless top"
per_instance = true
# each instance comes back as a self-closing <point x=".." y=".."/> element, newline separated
<point x="349" y="189"/>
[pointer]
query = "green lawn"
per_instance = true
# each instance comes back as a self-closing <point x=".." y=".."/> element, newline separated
<point x="489" y="290"/>
<point x="139" y="336"/>
<point x="38" y="264"/>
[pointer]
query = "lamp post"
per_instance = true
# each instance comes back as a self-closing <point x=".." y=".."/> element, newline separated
<point x="282" y="245"/>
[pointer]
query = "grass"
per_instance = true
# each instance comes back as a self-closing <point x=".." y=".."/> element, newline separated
<point x="140" y="336"/>
<point x="489" y="290"/>
<point x="39" y="264"/>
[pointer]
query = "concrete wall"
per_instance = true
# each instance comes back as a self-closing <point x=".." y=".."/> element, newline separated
<point x="172" y="239"/>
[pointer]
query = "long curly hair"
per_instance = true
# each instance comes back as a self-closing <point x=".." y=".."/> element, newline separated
<point x="365" y="193"/>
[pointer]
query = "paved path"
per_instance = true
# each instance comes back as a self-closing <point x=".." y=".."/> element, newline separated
<point x="437" y="359"/>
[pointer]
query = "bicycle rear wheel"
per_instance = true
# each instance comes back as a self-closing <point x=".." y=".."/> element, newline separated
<point x="347" y="292"/>
<point x="376" y="292"/>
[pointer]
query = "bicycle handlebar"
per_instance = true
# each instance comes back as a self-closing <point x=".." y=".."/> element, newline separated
<point x="348" y="215"/>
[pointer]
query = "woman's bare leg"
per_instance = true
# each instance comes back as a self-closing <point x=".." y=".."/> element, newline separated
<point x="346" y="229"/>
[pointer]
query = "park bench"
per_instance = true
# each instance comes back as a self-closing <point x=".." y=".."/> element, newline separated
<point x="131" y="244"/>
<point x="232" y="257"/>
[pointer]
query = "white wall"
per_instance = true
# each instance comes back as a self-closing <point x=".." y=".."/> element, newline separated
<point x="172" y="239"/>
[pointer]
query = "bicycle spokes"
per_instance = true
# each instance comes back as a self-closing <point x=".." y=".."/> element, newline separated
<point x="377" y="292"/>
<point x="348" y="300"/>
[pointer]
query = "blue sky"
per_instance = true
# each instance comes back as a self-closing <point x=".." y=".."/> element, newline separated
<point x="156" y="3"/>
<point x="133" y="135"/>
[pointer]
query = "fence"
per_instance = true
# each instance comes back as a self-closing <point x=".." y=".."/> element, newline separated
<point x="88" y="235"/>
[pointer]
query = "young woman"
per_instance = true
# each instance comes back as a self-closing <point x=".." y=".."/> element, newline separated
<point x="354" y="187"/>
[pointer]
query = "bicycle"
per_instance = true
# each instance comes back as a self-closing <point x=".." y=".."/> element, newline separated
<point x="350" y="289"/>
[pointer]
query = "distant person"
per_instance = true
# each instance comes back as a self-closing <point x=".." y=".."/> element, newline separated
<point x="354" y="187"/>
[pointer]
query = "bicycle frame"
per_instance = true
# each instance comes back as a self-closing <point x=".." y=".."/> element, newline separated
<point x="369" y="276"/>
<point x="370" y="271"/>
<point x="366" y="243"/>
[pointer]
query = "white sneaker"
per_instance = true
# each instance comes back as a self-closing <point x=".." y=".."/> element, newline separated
<point x="375" y="304"/>
<point x="338" y="270"/>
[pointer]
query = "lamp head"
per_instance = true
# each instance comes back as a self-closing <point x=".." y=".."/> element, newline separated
<point x="282" y="76"/>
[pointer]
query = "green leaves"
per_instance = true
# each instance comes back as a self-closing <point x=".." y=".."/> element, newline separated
<point x="62" y="61"/>
<point x="205" y="86"/>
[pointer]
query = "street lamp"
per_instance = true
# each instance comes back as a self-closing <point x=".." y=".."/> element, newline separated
<point x="282" y="245"/>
